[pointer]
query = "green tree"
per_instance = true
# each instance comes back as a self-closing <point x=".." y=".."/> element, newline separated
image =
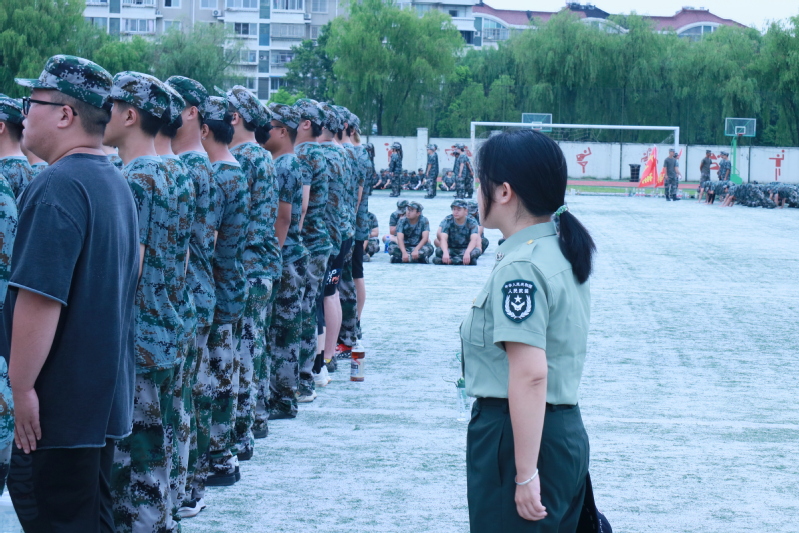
<point x="390" y="64"/>
<point x="116" y="56"/>
<point x="282" y="96"/>
<point x="33" y="30"/>
<point x="311" y="70"/>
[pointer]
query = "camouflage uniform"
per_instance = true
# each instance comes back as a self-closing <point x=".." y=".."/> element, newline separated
<point x="464" y="179"/>
<point x="38" y="167"/>
<point x="397" y="215"/>
<point x="18" y="173"/>
<point x="474" y="212"/>
<point x="373" y="246"/>
<point x="725" y="169"/>
<point x="412" y="234"/>
<point x="348" y="333"/>
<point x="286" y="328"/>
<point x="217" y="386"/>
<point x="395" y="173"/>
<point x="458" y="238"/>
<point x="432" y="175"/>
<point x="8" y="230"/>
<point x="336" y="218"/>
<point x="448" y="179"/>
<point x="262" y="265"/>
<point x="116" y="161"/>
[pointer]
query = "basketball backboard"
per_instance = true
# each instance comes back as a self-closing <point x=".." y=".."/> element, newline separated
<point x="740" y="127"/>
<point x="538" y="118"/>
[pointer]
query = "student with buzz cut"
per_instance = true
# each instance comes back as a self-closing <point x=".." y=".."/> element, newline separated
<point x="13" y="163"/>
<point x="230" y="219"/>
<point x="76" y="238"/>
<point x="142" y="461"/>
<point x="262" y="261"/>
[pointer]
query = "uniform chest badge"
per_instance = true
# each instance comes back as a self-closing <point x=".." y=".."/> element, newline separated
<point x="518" y="301"/>
<point x="500" y="256"/>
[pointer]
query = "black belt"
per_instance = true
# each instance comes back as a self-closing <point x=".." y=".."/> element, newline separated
<point x="503" y="402"/>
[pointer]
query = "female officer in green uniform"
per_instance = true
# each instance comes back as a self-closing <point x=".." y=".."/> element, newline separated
<point x="524" y="344"/>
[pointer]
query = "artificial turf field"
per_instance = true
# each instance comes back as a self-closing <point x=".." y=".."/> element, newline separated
<point x="688" y="395"/>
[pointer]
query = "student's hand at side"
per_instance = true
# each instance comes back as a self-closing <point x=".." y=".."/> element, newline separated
<point x="26" y="420"/>
<point x="528" y="501"/>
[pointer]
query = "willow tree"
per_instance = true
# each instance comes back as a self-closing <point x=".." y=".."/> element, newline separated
<point x="390" y="64"/>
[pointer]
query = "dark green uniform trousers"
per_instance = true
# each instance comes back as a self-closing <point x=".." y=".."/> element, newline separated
<point x="491" y="469"/>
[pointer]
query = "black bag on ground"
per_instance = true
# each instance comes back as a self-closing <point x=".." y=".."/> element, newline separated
<point x="591" y="520"/>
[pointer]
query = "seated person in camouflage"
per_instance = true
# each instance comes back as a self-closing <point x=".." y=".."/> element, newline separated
<point x="448" y="181"/>
<point x="474" y="211"/>
<point x="786" y="195"/>
<point x="458" y="241"/>
<point x="383" y="181"/>
<point x="396" y="216"/>
<point x="413" y="234"/>
<point x="372" y="244"/>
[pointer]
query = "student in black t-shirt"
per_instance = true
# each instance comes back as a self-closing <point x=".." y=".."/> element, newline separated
<point x="70" y="307"/>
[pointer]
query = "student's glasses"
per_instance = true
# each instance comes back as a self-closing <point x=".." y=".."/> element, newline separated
<point x="26" y="105"/>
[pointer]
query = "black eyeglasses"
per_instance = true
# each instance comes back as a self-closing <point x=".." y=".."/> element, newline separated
<point x="26" y="105"/>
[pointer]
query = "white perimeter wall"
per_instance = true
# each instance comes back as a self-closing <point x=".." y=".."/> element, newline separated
<point x="610" y="160"/>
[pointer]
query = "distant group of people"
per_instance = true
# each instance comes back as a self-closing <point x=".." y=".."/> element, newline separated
<point x="460" y="178"/>
<point x="459" y="239"/>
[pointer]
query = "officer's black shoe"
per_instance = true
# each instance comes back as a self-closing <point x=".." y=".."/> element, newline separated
<point x="668" y="198"/>
<point x="427" y="197"/>
<point x="260" y="433"/>
<point x="246" y="455"/>
<point x="221" y="480"/>
<point x="674" y="198"/>
<point x="282" y="415"/>
<point x="237" y="474"/>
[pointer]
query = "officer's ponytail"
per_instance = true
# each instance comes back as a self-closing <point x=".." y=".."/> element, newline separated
<point x="534" y="166"/>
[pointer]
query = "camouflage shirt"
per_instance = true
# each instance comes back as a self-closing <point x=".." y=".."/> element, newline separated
<point x="372" y="221"/>
<point x="412" y="233"/>
<point x="200" y="276"/>
<point x="262" y="254"/>
<point x="158" y="323"/>
<point x="336" y="207"/>
<point x="8" y="230"/>
<point x="458" y="236"/>
<point x="179" y="181"/>
<point x="231" y="208"/>
<point x="18" y="172"/>
<point x="395" y="217"/>
<point x="314" y="173"/>
<point x="432" y="160"/>
<point x="395" y="165"/>
<point x="463" y="166"/>
<point x="355" y="179"/>
<point x="289" y="180"/>
<point x="116" y="161"/>
<point x="725" y="167"/>
<point x="361" y="219"/>
<point x="38" y="167"/>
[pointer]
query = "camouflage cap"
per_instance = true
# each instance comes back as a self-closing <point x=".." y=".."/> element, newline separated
<point x="724" y="153"/>
<point x="432" y="147"/>
<point x="343" y="114"/>
<point x="214" y="108"/>
<point x="286" y="114"/>
<point x="472" y="207"/>
<point x="415" y="205"/>
<point x="396" y="146"/>
<point x="74" y="76"/>
<point x="402" y="204"/>
<point x="142" y="91"/>
<point x="191" y="91"/>
<point x="176" y="103"/>
<point x="247" y="105"/>
<point x="10" y="110"/>
<point x="332" y="121"/>
<point x="309" y="110"/>
<point x="459" y="203"/>
<point x="355" y="122"/>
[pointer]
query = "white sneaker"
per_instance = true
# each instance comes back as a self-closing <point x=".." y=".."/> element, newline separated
<point x="191" y="508"/>
<point x="305" y="398"/>
<point x="322" y="378"/>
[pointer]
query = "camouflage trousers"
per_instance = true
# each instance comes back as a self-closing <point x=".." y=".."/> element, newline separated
<point x="263" y="365"/>
<point x="373" y="245"/>
<point x="460" y="187"/>
<point x="456" y="256"/>
<point x="284" y="338"/>
<point x="430" y="185"/>
<point x="251" y="354"/>
<point x="140" y="487"/>
<point x="483" y="243"/>
<point x="183" y="413"/>
<point x="200" y="428"/>
<point x="219" y="383"/>
<point x="396" y="184"/>
<point x="348" y="333"/>
<point x="425" y="252"/>
<point x="671" y="187"/>
<point x="314" y="276"/>
<point x="5" y="464"/>
<point x="468" y="185"/>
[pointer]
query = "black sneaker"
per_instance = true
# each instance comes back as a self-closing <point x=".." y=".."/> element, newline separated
<point x="281" y="415"/>
<point x="246" y="455"/>
<point x="260" y="433"/>
<point x="191" y="508"/>
<point x="237" y="474"/>
<point x="332" y="365"/>
<point x="221" y="480"/>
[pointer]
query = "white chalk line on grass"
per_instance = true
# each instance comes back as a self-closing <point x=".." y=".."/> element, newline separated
<point x="733" y="424"/>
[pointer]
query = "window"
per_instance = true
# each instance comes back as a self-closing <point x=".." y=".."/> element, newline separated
<point x="172" y="25"/>
<point x="113" y="26"/>
<point x="288" y="31"/>
<point x="263" y="89"/>
<point x="263" y="63"/>
<point x="468" y="36"/>
<point x="281" y="57"/>
<point x="138" y="2"/>
<point x="696" y="33"/>
<point x="171" y="3"/>
<point x="421" y="9"/>
<point x="100" y="22"/>
<point x="318" y="6"/>
<point x="291" y="5"/>
<point x="90" y="2"/>
<point x="243" y="29"/>
<point x="248" y="56"/>
<point x="208" y="4"/>
<point x="454" y="13"/>
<point x="266" y="9"/>
<point x="494" y="31"/>
<point x="315" y="32"/>
<point x="138" y="26"/>
<point x="275" y="83"/>
<point x="263" y="35"/>
<point x="250" y="83"/>
<point x="242" y="4"/>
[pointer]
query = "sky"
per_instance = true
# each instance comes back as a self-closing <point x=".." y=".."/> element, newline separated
<point x="748" y="12"/>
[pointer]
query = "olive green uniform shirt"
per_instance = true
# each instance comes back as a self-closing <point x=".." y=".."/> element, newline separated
<point x="533" y="298"/>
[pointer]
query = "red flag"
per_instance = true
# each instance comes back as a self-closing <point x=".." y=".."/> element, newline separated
<point x="649" y="177"/>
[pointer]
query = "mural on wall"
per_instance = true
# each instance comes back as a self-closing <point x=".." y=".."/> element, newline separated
<point x="581" y="158"/>
<point x="778" y="159"/>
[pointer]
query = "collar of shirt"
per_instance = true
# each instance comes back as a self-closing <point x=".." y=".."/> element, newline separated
<point x="530" y="233"/>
